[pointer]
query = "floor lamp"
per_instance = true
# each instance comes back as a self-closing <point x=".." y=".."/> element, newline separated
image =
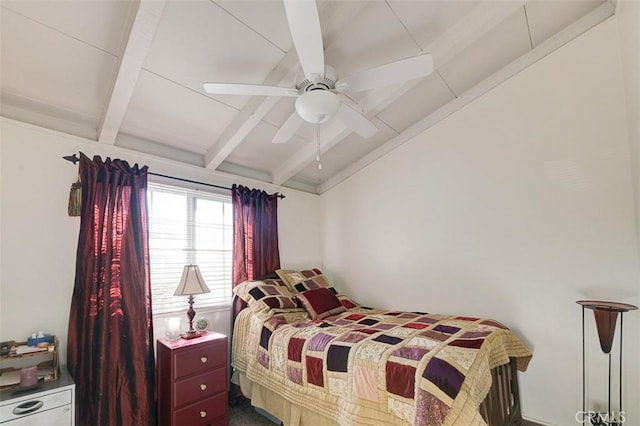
<point x="606" y="316"/>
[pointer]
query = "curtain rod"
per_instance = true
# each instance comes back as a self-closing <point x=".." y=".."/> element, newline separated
<point x="74" y="159"/>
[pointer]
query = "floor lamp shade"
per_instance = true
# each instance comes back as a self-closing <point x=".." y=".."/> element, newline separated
<point x="191" y="283"/>
<point x="606" y="325"/>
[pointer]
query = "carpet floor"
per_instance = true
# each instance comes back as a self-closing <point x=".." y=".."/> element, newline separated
<point x="245" y="415"/>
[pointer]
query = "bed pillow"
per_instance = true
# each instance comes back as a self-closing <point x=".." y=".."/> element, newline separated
<point x="270" y="276"/>
<point x="287" y="275"/>
<point x="320" y="303"/>
<point x="267" y="298"/>
<point x="347" y="302"/>
<point x="309" y="279"/>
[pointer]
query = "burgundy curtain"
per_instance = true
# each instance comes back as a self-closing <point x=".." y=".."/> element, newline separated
<point x="110" y="341"/>
<point x="255" y="233"/>
<point x="255" y="246"/>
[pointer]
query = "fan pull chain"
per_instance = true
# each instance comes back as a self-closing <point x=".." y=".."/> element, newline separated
<point x="318" y="146"/>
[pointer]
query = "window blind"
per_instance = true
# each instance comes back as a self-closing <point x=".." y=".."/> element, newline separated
<point x="189" y="226"/>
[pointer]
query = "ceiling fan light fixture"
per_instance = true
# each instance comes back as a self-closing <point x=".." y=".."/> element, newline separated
<point x="317" y="106"/>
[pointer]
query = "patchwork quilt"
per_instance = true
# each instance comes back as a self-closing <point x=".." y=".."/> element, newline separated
<point x="378" y="367"/>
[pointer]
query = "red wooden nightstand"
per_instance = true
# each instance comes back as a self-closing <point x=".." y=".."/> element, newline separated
<point x="193" y="381"/>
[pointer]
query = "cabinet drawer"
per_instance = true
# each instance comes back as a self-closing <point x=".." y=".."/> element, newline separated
<point x="200" y="386"/>
<point x="200" y="358"/>
<point x="55" y="417"/>
<point x="211" y="411"/>
<point x="37" y="404"/>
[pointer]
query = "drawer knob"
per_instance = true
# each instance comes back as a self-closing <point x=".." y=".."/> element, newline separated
<point x="204" y="359"/>
<point x="203" y="386"/>
<point x="203" y="413"/>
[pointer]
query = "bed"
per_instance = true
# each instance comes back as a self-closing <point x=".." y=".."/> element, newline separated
<point x="311" y="356"/>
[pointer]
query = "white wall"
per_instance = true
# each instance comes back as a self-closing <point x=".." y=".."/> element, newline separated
<point x="628" y="17"/>
<point x="39" y="240"/>
<point x="628" y="14"/>
<point x="513" y="208"/>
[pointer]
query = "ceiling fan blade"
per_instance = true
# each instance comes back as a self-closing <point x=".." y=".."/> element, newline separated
<point x="356" y="121"/>
<point x="388" y="74"/>
<point x="248" y="89"/>
<point x="304" y="25"/>
<point x="288" y="129"/>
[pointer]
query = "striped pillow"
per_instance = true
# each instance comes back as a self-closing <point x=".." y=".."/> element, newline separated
<point x="267" y="298"/>
<point x="309" y="279"/>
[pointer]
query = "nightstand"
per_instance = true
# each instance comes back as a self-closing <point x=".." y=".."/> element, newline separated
<point x="193" y="380"/>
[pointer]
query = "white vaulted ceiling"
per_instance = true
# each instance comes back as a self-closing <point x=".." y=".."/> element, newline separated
<point x="131" y="73"/>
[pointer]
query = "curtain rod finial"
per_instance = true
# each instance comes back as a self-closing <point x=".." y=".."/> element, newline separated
<point x="73" y="158"/>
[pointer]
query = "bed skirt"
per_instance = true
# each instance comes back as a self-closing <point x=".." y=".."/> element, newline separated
<point x="291" y="414"/>
<point x="501" y="407"/>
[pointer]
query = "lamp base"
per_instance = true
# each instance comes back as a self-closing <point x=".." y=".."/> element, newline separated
<point x="191" y="335"/>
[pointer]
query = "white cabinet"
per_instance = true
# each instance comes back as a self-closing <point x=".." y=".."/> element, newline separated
<point x="51" y="404"/>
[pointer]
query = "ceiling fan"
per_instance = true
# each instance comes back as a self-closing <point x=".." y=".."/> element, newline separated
<point x="316" y="91"/>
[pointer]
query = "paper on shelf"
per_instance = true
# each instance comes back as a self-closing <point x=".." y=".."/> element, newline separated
<point x="45" y="372"/>
<point x="24" y="349"/>
<point x="10" y="378"/>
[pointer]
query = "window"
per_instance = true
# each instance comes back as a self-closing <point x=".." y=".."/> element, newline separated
<point x="189" y="226"/>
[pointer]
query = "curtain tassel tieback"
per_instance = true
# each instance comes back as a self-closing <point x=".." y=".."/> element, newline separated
<point x="75" y="199"/>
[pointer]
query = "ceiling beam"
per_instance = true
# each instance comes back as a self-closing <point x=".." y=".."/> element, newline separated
<point x="332" y="16"/>
<point x="474" y="25"/>
<point x="580" y="26"/>
<point x="252" y="113"/>
<point x="29" y="110"/>
<point x="143" y="30"/>
<point x="482" y="19"/>
<point x="334" y="131"/>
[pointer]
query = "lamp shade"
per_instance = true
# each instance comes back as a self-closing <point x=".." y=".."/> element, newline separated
<point x="191" y="282"/>
<point x="317" y="106"/>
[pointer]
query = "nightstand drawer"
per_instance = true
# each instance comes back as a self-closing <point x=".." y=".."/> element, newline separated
<point x="211" y="411"/>
<point x="200" y="386"/>
<point x="200" y="358"/>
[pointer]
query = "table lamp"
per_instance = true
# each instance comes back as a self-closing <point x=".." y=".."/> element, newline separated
<point x="191" y="284"/>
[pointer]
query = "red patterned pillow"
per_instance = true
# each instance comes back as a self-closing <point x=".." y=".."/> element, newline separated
<point x="321" y="303"/>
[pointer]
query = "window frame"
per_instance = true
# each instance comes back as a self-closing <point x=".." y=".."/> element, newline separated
<point x="193" y="193"/>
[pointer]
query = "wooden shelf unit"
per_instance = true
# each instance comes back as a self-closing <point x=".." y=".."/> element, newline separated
<point x="46" y="359"/>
